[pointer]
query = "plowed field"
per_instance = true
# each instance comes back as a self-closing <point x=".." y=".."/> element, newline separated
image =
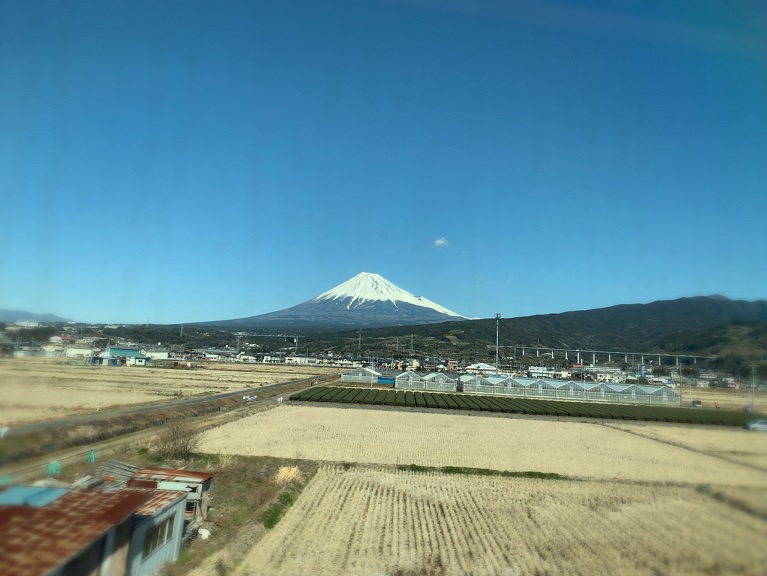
<point x="364" y="522"/>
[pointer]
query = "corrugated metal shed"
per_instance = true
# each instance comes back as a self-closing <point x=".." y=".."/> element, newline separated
<point x="160" y="499"/>
<point x="196" y="484"/>
<point x="171" y="475"/>
<point x="116" y="474"/>
<point x="38" y="540"/>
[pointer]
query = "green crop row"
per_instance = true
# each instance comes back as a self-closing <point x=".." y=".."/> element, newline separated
<point x="470" y="402"/>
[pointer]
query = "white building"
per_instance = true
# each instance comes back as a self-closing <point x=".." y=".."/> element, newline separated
<point x="78" y="351"/>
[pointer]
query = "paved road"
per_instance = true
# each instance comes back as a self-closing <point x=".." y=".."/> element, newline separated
<point x="95" y="416"/>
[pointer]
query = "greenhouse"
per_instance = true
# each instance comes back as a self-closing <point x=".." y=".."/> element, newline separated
<point x="410" y="381"/>
<point x="440" y="382"/>
<point x="367" y="375"/>
<point x="572" y="390"/>
<point x="485" y="385"/>
<point x="519" y="386"/>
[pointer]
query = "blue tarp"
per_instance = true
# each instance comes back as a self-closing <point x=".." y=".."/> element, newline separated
<point x="37" y="496"/>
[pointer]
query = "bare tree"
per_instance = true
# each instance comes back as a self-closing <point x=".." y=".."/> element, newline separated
<point x="177" y="440"/>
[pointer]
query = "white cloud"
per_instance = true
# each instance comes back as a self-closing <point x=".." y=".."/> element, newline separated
<point x="441" y="242"/>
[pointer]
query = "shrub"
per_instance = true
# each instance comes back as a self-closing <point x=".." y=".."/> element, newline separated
<point x="287" y="475"/>
<point x="177" y="440"/>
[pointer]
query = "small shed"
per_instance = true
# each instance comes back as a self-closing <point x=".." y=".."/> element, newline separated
<point x="158" y="529"/>
<point x="59" y="532"/>
<point x="195" y="484"/>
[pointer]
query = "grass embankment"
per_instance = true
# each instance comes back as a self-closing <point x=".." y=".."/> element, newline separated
<point x="35" y="444"/>
<point x="516" y="405"/>
<point x="467" y="471"/>
<point x="250" y="496"/>
<point x="16" y="448"/>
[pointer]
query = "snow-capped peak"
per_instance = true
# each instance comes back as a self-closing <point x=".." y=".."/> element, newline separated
<point x="367" y="286"/>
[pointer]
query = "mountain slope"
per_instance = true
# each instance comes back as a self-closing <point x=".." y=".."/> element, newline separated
<point x="365" y="301"/>
<point x="24" y="316"/>
<point x="658" y="326"/>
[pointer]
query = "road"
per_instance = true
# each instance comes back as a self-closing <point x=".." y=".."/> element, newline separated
<point x="96" y="416"/>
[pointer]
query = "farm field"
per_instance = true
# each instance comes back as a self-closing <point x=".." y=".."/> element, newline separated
<point x="368" y="521"/>
<point x="749" y="448"/>
<point x="388" y="436"/>
<point x="34" y="389"/>
<point x="726" y="398"/>
<point x="637" y="497"/>
<point x="518" y="405"/>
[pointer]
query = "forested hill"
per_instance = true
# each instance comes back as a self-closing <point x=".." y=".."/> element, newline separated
<point x="631" y="327"/>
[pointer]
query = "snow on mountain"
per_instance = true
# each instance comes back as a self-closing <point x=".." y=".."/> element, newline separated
<point x="365" y="301"/>
<point x="369" y="287"/>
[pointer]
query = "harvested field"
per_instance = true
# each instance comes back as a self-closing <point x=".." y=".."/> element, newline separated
<point x="360" y="521"/>
<point x="738" y="445"/>
<point x="727" y="398"/>
<point x="35" y="389"/>
<point x="392" y="437"/>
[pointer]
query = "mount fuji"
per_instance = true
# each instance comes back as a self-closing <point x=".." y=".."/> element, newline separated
<point x="365" y="301"/>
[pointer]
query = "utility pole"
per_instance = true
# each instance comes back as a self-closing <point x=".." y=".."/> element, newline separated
<point x="753" y="386"/>
<point x="497" y="324"/>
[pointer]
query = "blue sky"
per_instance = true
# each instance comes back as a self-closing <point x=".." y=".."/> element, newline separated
<point x="187" y="161"/>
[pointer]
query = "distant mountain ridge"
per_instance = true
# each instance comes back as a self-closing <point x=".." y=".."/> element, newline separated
<point x="25" y="316"/>
<point x="630" y="327"/>
<point x="365" y="301"/>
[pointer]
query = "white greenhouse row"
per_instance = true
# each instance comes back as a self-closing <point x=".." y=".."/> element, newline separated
<point x="518" y="386"/>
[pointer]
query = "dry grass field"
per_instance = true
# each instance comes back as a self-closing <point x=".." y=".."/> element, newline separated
<point x="727" y="398"/>
<point x="573" y="448"/>
<point x="749" y="448"/>
<point x="35" y="389"/>
<point x="378" y="522"/>
<point x="638" y="498"/>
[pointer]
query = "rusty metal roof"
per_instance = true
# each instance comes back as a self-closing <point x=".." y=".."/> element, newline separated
<point x="160" y="499"/>
<point x="170" y="474"/>
<point x="38" y="540"/>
